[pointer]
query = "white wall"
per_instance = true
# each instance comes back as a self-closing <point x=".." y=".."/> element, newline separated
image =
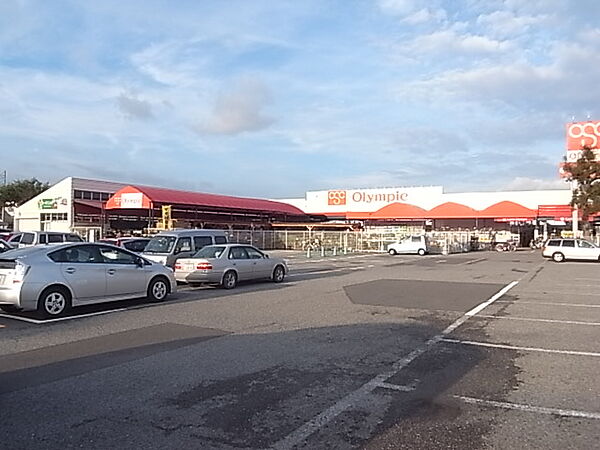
<point x="56" y="199"/>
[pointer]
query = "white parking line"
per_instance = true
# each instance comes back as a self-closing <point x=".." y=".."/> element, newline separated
<point x="531" y="408"/>
<point x="529" y="319"/>
<point x="517" y="347"/>
<point x="579" y="305"/>
<point x="61" y="319"/>
<point x="300" y="434"/>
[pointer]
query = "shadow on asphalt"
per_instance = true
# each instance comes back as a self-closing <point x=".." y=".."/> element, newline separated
<point x="278" y="382"/>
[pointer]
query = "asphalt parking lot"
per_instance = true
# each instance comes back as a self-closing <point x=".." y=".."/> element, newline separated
<point x="479" y="350"/>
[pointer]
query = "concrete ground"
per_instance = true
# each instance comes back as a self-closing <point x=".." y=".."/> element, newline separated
<point x="479" y="350"/>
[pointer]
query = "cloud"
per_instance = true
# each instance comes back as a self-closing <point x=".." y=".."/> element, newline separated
<point x="508" y="24"/>
<point x="534" y="184"/>
<point x="134" y="108"/>
<point x="239" y="110"/>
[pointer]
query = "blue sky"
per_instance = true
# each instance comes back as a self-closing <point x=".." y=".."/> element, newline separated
<point x="272" y="98"/>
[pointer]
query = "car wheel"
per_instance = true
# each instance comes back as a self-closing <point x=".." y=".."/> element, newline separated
<point x="421" y="252"/>
<point x="158" y="290"/>
<point x="229" y="280"/>
<point x="9" y="308"/>
<point x="392" y="252"/>
<point x="278" y="274"/>
<point x="54" y="302"/>
<point x="558" y="257"/>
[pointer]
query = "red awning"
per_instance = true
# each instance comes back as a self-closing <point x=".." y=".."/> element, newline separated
<point x="507" y="210"/>
<point x="555" y="211"/>
<point x="451" y="210"/>
<point x="144" y="197"/>
<point x="400" y="210"/>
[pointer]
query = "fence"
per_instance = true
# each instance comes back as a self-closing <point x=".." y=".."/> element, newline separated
<point x="350" y="241"/>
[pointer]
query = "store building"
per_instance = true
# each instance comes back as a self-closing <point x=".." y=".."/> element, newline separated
<point x="94" y="208"/>
<point x="431" y="206"/>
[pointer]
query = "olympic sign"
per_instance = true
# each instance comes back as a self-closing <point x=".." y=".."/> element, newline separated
<point x="583" y="134"/>
<point x="336" y="198"/>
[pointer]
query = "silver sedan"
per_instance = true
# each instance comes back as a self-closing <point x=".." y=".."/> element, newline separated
<point x="227" y="264"/>
<point x="53" y="278"/>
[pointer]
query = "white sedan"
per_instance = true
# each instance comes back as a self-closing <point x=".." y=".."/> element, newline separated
<point x="227" y="264"/>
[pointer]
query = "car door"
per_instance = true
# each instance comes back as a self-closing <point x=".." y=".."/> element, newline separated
<point x="83" y="271"/>
<point x="568" y="249"/>
<point x="238" y="257"/>
<point x="262" y="267"/>
<point x="124" y="276"/>
<point x="587" y="250"/>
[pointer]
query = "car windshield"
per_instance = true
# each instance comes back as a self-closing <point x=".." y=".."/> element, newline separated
<point x="160" y="244"/>
<point x="210" y="251"/>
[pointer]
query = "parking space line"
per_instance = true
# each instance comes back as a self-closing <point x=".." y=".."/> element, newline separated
<point x="531" y="408"/>
<point x="572" y="293"/>
<point x="517" y="347"/>
<point x="61" y="319"/>
<point x="304" y="431"/>
<point x="395" y="387"/>
<point x="529" y="319"/>
<point x="578" y="305"/>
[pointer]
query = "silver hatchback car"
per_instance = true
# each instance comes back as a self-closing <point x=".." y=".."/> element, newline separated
<point x="53" y="278"/>
<point x="227" y="264"/>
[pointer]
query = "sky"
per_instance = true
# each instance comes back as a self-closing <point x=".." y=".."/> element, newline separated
<point x="272" y="98"/>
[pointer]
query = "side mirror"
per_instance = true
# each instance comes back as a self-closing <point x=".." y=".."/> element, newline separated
<point x="266" y="256"/>
<point x="139" y="262"/>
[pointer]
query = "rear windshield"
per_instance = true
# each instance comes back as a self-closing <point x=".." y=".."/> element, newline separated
<point x="161" y="244"/>
<point x="210" y="251"/>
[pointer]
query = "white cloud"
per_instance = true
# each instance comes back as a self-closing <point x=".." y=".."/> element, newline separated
<point x="426" y="15"/>
<point x="239" y="110"/>
<point x="534" y="184"/>
<point x="508" y="24"/>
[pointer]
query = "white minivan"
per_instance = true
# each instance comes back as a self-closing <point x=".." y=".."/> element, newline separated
<point x="411" y="245"/>
<point x="168" y="246"/>
<point x="29" y="238"/>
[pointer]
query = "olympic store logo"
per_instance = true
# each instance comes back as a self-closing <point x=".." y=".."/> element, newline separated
<point x="336" y="198"/>
<point x="581" y="134"/>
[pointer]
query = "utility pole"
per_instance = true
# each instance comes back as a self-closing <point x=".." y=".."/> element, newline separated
<point x="2" y="206"/>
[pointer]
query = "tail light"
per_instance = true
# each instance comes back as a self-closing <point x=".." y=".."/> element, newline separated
<point x="204" y="266"/>
<point x="20" y="272"/>
<point x="178" y="266"/>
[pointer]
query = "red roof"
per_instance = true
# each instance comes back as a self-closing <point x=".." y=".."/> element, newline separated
<point x="395" y="210"/>
<point x="451" y="210"/>
<point x="507" y="209"/>
<point x="144" y="196"/>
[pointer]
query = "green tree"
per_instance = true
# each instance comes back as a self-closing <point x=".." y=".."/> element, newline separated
<point x="586" y="194"/>
<point x="19" y="191"/>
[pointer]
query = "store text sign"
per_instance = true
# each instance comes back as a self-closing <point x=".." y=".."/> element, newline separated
<point x="583" y="134"/>
<point x="338" y="197"/>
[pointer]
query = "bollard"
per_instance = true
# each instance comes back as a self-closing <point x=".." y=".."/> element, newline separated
<point x="334" y="251"/>
<point x="308" y="252"/>
<point x="322" y="252"/>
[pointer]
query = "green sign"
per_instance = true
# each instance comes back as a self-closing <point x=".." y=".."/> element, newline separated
<point x="47" y="203"/>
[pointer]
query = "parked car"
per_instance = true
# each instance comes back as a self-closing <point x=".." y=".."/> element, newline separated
<point x="564" y="249"/>
<point x="29" y="238"/>
<point x="52" y="279"/>
<point x="133" y="244"/>
<point x="412" y="244"/>
<point x="5" y="235"/>
<point x="4" y="246"/>
<point x="225" y="265"/>
<point x="169" y="246"/>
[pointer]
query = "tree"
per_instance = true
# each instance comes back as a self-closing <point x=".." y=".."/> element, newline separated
<point x="20" y="191"/>
<point x="585" y="172"/>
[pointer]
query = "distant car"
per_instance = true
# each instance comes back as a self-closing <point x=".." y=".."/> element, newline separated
<point x="4" y="246"/>
<point x="168" y="246"/>
<point x="5" y="235"/>
<point x="227" y="264"/>
<point x="133" y="244"/>
<point x="52" y="279"/>
<point x="411" y="245"/>
<point x="575" y="249"/>
<point x="29" y="238"/>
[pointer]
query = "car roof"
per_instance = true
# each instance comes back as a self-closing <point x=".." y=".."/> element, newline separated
<point x="196" y="232"/>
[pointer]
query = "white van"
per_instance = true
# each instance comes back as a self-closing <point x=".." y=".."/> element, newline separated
<point x="168" y="246"/>
<point x="29" y="238"/>
<point x="412" y="244"/>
